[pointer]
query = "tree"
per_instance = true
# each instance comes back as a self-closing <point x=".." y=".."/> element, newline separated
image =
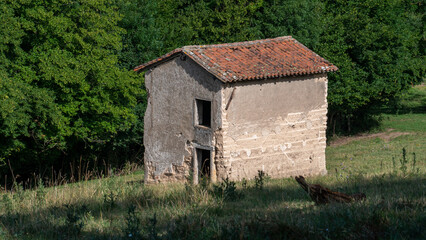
<point x="143" y="39"/>
<point x="302" y="19"/>
<point x="61" y="87"/>
<point x="376" y="45"/>
<point x="190" y="22"/>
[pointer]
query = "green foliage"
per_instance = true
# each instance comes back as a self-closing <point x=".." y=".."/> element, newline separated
<point x="377" y="47"/>
<point x="110" y="199"/>
<point x="143" y="40"/>
<point x="27" y="112"/>
<point x="60" y="84"/>
<point x="412" y="101"/>
<point x="40" y="193"/>
<point x="260" y="179"/>
<point x="403" y="162"/>
<point x="7" y="203"/>
<point x="133" y="227"/>
<point x="302" y="19"/>
<point x="227" y="190"/>
<point x="189" y="22"/>
<point x="204" y="182"/>
<point x="74" y="221"/>
<point x="152" y="232"/>
<point x="244" y="183"/>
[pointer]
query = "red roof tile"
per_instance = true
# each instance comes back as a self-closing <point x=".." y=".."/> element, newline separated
<point x="260" y="59"/>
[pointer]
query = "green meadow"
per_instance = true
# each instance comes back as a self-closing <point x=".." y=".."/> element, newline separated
<point x="388" y="165"/>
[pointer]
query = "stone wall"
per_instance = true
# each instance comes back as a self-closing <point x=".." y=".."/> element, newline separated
<point x="170" y="136"/>
<point x="277" y="126"/>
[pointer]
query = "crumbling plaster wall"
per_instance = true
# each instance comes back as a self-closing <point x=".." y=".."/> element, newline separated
<point x="277" y="126"/>
<point x="169" y="132"/>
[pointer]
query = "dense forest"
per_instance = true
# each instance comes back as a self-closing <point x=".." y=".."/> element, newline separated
<point x="70" y="100"/>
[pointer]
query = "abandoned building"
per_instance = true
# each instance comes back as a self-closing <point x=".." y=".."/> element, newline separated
<point x="230" y="110"/>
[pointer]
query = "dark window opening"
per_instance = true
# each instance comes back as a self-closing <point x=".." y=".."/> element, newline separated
<point x="203" y="158"/>
<point x="203" y="113"/>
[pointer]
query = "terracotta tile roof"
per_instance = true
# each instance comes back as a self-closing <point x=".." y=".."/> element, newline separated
<point x="260" y="59"/>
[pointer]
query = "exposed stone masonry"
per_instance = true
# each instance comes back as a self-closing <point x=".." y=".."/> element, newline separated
<point x="285" y="145"/>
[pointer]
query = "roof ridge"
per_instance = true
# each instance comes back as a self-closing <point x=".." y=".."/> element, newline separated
<point x="236" y="44"/>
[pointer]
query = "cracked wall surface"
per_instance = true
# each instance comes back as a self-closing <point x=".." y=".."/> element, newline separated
<point x="277" y="126"/>
<point x="169" y="132"/>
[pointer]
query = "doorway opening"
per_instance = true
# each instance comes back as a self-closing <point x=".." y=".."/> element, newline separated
<point x="203" y="159"/>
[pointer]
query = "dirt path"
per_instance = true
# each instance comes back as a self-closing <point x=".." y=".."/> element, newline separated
<point x="386" y="136"/>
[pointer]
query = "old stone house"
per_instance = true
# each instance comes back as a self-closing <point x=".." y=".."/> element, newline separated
<point x="229" y="110"/>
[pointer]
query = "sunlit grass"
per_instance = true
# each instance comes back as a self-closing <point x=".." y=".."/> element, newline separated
<point x="413" y="122"/>
<point x="395" y="201"/>
<point x="376" y="156"/>
<point x="102" y="208"/>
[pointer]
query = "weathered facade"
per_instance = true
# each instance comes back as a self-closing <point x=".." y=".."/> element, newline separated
<point x="229" y="110"/>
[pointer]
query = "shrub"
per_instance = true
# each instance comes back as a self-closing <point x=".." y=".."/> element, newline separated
<point x="260" y="179"/>
<point x="133" y="225"/>
<point x="227" y="190"/>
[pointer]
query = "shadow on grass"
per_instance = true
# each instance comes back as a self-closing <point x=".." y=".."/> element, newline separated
<point x="404" y="110"/>
<point x="282" y="210"/>
<point x="414" y="101"/>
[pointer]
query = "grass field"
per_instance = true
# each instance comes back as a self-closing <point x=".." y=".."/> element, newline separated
<point x="122" y="207"/>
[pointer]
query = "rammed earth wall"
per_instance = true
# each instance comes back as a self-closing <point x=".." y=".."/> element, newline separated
<point x="277" y="126"/>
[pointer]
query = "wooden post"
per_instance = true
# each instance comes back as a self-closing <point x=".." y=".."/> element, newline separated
<point x="195" y="167"/>
<point x="212" y="168"/>
<point x="322" y="195"/>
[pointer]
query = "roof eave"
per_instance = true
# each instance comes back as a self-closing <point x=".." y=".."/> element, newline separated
<point x="153" y="63"/>
<point x="295" y="74"/>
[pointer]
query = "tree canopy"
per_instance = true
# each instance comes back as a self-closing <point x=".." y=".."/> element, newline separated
<point x="377" y="47"/>
<point x="60" y="79"/>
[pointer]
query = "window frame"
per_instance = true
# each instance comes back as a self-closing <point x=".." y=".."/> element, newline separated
<point x="197" y="117"/>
